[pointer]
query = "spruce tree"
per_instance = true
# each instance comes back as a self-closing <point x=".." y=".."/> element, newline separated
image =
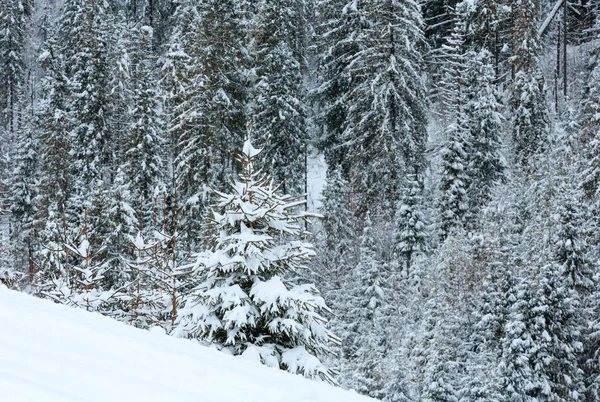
<point x="489" y="31"/>
<point x="455" y="181"/>
<point x="411" y="225"/>
<point x="368" y="318"/>
<point x="386" y="130"/>
<point x="279" y="109"/>
<point x="82" y="42"/>
<point x="439" y="351"/>
<point x="450" y="64"/>
<point x="204" y="75"/>
<point x="245" y="299"/>
<point x="191" y="147"/>
<point x="340" y="240"/>
<point x="74" y="271"/>
<point x="225" y="65"/>
<point x="145" y="142"/>
<point x="338" y="39"/>
<point x="590" y="138"/>
<point x="23" y="188"/>
<point x="14" y="15"/>
<point x="530" y="121"/>
<point x="482" y="118"/>
<point x="56" y="181"/>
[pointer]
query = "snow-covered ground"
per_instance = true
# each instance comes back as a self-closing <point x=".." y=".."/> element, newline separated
<point x="54" y="353"/>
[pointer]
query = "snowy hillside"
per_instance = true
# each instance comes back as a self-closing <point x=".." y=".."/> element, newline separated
<point x="55" y="353"/>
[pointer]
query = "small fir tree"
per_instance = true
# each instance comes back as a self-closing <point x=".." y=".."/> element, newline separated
<point x="246" y="300"/>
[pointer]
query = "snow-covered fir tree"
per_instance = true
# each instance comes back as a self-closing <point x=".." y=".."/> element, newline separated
<point x="23" y="188"/>
<point x="455" y="180"/>
<point x="205" y="77"/>
<point x="338" y="35"/>
<point x="540" y="344"/>
<point x="449" y="61"/>
<point x="386" y="120"/>
<point x="246" y="299"/>
<point x="411" y="231"/>
<point x="440" y="350"/>
<point x="145" y="143"/>
<point x="14" y="17"/>
<point x="74" y="269"/>
<point x="482" y="119"/>
<point x="81" y="39"/>
<point x="340" y="248"/>
<point x="56" y="184"/>
<point x="279" y="110"/>
<point x="367" y="319"/>
<point x="530" y="121"/>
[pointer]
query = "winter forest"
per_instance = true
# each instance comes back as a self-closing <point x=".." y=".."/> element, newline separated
<point x="155" y="167"/>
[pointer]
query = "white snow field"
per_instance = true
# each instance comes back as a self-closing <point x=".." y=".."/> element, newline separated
<point x="54" y="353"/>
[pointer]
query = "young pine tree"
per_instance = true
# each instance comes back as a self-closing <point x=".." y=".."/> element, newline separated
<point x="245" y="299"/>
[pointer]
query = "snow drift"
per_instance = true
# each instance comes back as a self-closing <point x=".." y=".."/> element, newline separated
<point x="52" y="353"/>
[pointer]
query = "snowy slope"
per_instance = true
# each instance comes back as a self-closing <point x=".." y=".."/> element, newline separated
<point x="54" y="353"/>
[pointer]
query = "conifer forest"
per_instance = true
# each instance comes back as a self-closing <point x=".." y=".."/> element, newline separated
<point x="399" y="197"/>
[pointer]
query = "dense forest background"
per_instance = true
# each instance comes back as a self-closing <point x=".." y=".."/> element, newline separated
<point x="459" y="246"/>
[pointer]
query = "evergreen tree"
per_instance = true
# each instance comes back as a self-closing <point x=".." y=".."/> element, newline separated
<point x="81" y="34"/>
<point x="14" y="19"/>
<point x="23" y="194"/>
<point x="181" y="78"/>
<point x="14" y="15"/>
<point x="245" y="299"/>
<point x="279" y="109"/>
<point x="489" y="31"/>
<point x="367" y="316"/>
<point x="411" y="226"/>
<point x="56" y="184"/>
<point x="121" y="223"/>
<point x="440" y="351"/>
<point x="338" y="38"/>
<point x="339" y="252"/>
<point x="145" y="143"/>
<point x="225" y="64"/>
<point x="75" y="272"/>
<point x="541" y="339"/>
<point x="386" y="130"/>
<point x="590" y="125"/>
<point x="205" y="79"/>
<point x="455" y="181"/>
<point x="450" y="64"/>
<point x="439" y="17"/>
<point x="527" y="96"/>
<point x="482" y="118"/>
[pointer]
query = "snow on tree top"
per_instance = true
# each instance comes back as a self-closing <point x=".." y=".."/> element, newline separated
<point x="249" y="150"/>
